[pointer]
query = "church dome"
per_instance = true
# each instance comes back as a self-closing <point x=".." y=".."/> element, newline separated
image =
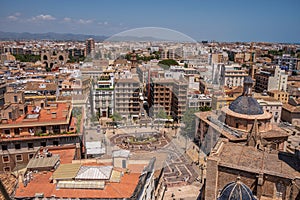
<point x="236" y="191"/>
<point x="246" y="105"/>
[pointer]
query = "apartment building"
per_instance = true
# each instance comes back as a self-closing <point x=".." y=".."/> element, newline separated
<point x="232" y="75"/>
<point x="89" y="46"/>
<point x="271" y="79"/>
<point x="287" y="60"/>
<point x="272" y="106"/>
<point x="103" y="96"/>
<point x="160" y="96"/>
<point x="278" y="81"/>
<point x="279" y="95"/>
<point x="75" y="86"/>
<point x="195" y="100"/>
<point x="40" y="91"/>
<point x="217" y="58"/>
<point x="127" y="101"/>
<point x="179" y="104"/>
<point x="23" y="134"/>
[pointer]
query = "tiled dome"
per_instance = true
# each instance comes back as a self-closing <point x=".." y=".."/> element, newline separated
<point x="236" y="191"/>
<point x="246" y="105"/>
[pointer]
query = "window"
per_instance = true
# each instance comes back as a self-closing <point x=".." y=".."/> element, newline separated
<point x="4" y="147"/>
<point x="30" y="156"/>
<point x="7" y="132"/>
<point x="19" y="158"/>
<point x="6" y="169"/>
<point x="55" y="143"/>
<point x="43" y="144"/>
<point x="30" y="145"/>
<point x="5" y="159"/>
<point x="16" y="99"/>
<point x="17" y="146"/>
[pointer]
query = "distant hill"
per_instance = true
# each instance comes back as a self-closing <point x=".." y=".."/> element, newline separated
<point x="48" y="36"/>
<point x="117" y="38"/>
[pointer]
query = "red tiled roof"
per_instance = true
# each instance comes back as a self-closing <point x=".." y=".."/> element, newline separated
<point x="65" y="155"/>
<point x="43" y="116"/>
<point x="41" y="184"/>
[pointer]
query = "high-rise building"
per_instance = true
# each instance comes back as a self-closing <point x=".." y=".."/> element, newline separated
<point x="127" y="102"/>
<point x="90" y="46"/>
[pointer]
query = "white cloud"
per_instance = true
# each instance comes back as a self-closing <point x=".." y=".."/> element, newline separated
<point x="67" y="19"/>
<point x="12" y="17"/>
<point x="105" y="23"/>
<point x="43" y="18"/>
<point x="82" y="21"/>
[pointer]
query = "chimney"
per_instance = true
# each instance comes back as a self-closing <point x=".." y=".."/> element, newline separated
<point x="78" y="152"/>
<point x="53" y="115"/>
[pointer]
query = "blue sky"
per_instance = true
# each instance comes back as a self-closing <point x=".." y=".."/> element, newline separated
<point x="221" y="20"/>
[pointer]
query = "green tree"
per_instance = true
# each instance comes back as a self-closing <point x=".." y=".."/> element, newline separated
<point x="189" y="121"/>
<point x="165" y="64"/>
<point x="162" y="114"/>
<point x="205" y="108"/>
<point x="27" y="57"/>
<point x="116" y="117"/>
<point x="185" y="65"/>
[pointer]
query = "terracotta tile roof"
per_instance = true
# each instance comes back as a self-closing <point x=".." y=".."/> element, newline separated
<point x="32" y="86"/>
<point x="291" y="108"/>
<point x="66" y="155"/>
<point x="41" y="184"/>
<point x="247" y="158"/>
<point x="43" y="117"/>
<point x="9" y="181"/>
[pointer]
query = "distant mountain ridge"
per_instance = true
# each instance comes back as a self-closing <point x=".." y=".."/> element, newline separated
<point x="48" y="36"/>
<point x="8" y="36"/>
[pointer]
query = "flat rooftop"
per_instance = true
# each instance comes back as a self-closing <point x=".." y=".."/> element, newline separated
<point x="62" y="111"/>
<point x="42" y="182"/>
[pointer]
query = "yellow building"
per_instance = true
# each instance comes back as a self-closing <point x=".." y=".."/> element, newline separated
<point x="279" y="95"/>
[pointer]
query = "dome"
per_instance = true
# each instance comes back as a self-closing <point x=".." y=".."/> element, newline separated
<point x="246" y="105"/>
<point x="236" y="191"/>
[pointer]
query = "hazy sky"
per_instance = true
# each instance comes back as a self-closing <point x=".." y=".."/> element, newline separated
<point x="221" y="20"/>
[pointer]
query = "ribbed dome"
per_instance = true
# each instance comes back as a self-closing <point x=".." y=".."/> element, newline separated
<point x="236" y="191"/>
<point x="246" y="105"/>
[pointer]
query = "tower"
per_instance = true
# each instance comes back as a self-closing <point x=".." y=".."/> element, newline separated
<point x="248" y="83"/>
<point x="89" y="47"/>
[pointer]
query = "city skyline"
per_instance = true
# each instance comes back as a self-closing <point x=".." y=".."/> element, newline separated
<point x="218" y="20"/>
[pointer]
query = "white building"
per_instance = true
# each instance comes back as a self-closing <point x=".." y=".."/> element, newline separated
<point x="278" y="81"/>
<point x="195" y="100"/>
<point x="103" y="96"/>
<point x="273" y="107"/>
<point x="232" y="75"/>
